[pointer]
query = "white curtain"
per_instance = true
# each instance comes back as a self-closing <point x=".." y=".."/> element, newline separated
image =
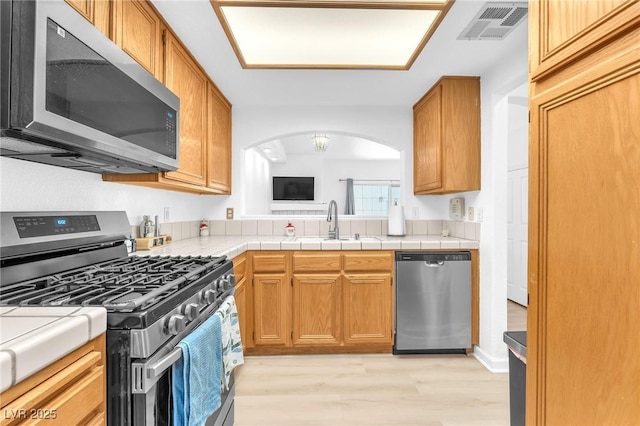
<point x="350" y="205"/>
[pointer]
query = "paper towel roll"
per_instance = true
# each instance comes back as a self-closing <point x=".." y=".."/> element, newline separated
<point x="396" y="221"/>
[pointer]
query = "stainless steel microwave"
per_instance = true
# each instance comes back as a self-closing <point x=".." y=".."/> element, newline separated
<point x="70" y="97"/>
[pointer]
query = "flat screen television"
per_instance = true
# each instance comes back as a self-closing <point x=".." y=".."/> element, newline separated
<point x="293" y="188"/>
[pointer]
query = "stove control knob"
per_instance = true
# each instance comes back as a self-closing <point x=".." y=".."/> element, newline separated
<point x="191" y="311"/>
<point x="231" y="279"/>
<point x="210" y="296"/>
<point x="176" y="324"/>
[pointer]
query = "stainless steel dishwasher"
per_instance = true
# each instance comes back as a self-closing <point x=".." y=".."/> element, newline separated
<point x="433" y="302"/>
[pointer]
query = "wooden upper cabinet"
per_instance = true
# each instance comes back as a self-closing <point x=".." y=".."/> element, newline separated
<point x="184" y="78"/>
<point x="565" y="31"/>
<point x="427" y="154"/>
<point x="137" y="29"/>
<point x="95" y="11"/>
<point x="204" y="157"/>
<point x="446" y="139"/>
<point x="218" y="141"/>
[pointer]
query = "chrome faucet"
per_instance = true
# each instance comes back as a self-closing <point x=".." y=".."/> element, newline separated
<point x="334" y="233"/>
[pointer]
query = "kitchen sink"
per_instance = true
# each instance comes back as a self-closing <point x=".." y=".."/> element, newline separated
<point x="321" y="239"/>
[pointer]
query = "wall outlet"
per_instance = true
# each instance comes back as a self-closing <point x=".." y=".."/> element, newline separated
<point x="479" y="214"/>
<point x="470" y="215"/>
<point x="229" y="213"/>
<point x="166" y="214"/>
<point x="415" y="212"/>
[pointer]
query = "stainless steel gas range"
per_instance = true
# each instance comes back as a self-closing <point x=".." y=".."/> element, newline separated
<point x="80" y="259"/>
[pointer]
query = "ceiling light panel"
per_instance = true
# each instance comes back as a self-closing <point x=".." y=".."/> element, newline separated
<point x="329" y="37"/>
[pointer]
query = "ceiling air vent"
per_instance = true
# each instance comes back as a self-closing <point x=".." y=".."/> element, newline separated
<point x="494" y="21"/>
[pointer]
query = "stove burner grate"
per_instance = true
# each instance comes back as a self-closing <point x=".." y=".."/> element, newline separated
<point x="121" y="285"/>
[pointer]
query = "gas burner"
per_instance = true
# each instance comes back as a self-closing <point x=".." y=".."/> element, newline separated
<point x="119" y="285"/>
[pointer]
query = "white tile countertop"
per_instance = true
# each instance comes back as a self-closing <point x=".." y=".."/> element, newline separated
<point x="31" y="338"/>
<point x="232" y="246"/>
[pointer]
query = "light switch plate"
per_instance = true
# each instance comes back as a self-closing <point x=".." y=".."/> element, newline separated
<point x="229" y="212"/>
<point x="470" y="215"/>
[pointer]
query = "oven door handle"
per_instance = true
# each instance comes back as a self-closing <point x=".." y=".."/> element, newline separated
<point x="145" y="375"/>
<point x="161" y="366"/>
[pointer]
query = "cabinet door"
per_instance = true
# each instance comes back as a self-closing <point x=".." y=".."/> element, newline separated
<point x="584" y="290"/>
<point x="316" y="309"/>
<point x="271" y="302"/>
<point x="427" y="143"/>
<point x="583" y="344"/>
<point x="218" y="141"/>
<point x="137" y="31"/>
<point x="566" y="30"/>
<point x="367" y="308"/>
<point x="94" y="11"/>
<point x="184" y="78"/>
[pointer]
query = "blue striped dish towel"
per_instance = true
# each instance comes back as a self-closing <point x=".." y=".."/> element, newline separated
<point x="197" y="376"/>
<point x="232" y="355"/>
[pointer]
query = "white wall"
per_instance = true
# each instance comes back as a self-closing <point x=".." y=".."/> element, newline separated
<point x="27" y="186"/>
<point x="496" y="84"/>
<point x="518" y="132"/>
<point x="257" y="183"/>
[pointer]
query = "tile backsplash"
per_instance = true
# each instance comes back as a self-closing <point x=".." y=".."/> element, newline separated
<point x="315" y="227"/>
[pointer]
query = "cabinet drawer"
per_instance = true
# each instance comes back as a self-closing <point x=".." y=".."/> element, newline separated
<point x="316" y="261"/>
<point x="367" y="261"/>
<point x="240" y="267"/>
<point x="66" y="398"/>
<point x="270" y="261"/>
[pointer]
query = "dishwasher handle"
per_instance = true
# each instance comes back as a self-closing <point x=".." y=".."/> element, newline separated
<point x="434" y="263"/>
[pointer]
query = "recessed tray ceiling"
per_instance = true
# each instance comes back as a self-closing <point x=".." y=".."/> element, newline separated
<point x="329" y="34"/>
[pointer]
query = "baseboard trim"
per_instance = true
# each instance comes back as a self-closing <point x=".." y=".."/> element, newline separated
<point x="491" y="363"/>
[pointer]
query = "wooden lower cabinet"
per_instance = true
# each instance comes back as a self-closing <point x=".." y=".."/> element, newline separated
<point x="317" y="309"/>
<point x="367" y="304"/>
<point x="71" y="391"/>
<point x="272" y="302"/>
<point x="328" y="308"/>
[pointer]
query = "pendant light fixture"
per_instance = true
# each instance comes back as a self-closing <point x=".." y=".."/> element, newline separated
<point x="320" y="142"/>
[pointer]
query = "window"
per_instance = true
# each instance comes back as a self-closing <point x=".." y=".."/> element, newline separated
<point x="374" y="199"/>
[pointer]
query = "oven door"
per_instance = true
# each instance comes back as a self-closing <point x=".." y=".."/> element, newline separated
<point x="154" y="406"/>
<point x="151" y="382"/>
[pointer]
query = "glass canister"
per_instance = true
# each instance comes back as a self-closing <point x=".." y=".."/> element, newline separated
<point x="146" y="227"/>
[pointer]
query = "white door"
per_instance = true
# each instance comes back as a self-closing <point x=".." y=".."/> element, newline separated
<point x="517" y="202"/>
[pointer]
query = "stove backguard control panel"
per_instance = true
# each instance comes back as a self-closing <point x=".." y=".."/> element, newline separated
<point x="40" y="226"/>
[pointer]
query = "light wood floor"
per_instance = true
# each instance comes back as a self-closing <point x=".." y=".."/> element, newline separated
<point x="340" y="390"/>
<point x="516" y="316"/>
